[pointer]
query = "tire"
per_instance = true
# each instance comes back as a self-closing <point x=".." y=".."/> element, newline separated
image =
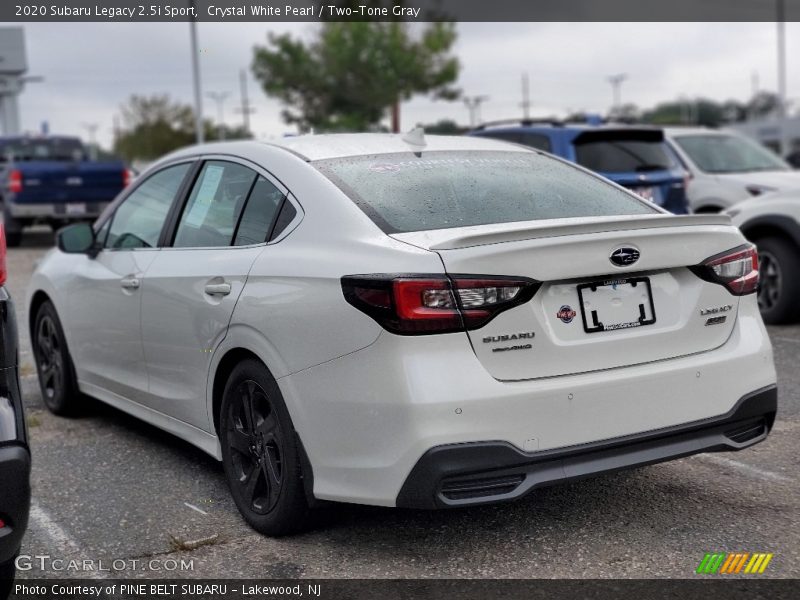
<point x="779" y="287"/>
<point x="7" y="572"/>
<point x="260" y="453"/>
<point x="13" y="229"/>
<point x="53" y="363"/>
<point x="13" y="239"/>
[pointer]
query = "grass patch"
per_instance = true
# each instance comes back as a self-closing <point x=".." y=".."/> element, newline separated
<point x="177" y="544"/>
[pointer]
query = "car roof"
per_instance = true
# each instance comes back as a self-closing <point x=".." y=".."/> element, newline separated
<point x="37" y="138"/>
<point x="561" y="126"/>
<point x="340" y="145"/>
<point x="678" y="131"/>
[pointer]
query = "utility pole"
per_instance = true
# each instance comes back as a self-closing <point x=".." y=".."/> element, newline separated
<point x="526" y="97"/>
<point x="198" y="95"/>
<point x="474" y="106"/>
<point x="92" y="128"/>
<point x="781" y="24"/>
<point x="219" y="98"/>
<point x="616" y="89"/>
<point x="246" y="109"/>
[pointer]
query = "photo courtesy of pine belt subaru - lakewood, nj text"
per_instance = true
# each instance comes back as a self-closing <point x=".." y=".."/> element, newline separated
<point x="402" y="320"/>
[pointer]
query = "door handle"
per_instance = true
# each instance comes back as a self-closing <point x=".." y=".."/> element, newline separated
<point x="130" y="283"/>
<point x="218" y="289"/>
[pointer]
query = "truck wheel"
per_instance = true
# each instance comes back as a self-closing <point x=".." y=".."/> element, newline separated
<point x="13" y="230"/>
<point x="13" y="238"/>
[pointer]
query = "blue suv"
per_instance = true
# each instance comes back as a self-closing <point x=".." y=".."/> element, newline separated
<point x="637" y="158"/>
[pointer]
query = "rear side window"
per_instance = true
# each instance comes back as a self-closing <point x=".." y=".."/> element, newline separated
<point x="212" y="211"/>
<point x="534" y="140"/>
<point x="439" y="190"/>
<point x="619" y="155"/>
<point x="258" y="215"/>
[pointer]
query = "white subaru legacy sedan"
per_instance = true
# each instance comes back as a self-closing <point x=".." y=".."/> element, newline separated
<point x="401" y="321"/>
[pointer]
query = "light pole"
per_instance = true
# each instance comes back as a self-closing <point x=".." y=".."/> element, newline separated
<point x="198" y="96"/>
<point x="781" y="25"/>
<point x="616" y="89"/>
<point x="474" y="106"/>
<point x="246" y="108"/>
<point x="92" y="128"/>
<point x="219" y="98"/>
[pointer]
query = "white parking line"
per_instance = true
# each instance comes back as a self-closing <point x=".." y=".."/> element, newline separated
<point x="60" y="538"/>
<point x="193" y="507"/>
<point x="745" y="468"/>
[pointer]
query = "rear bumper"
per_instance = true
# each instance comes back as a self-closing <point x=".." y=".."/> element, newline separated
<point x="487" y="472"/>
<point x="367" y="418"/>
<point x="56" y="211"/>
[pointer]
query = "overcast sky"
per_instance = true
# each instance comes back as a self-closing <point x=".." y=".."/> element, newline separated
<point x="91" y="68"/>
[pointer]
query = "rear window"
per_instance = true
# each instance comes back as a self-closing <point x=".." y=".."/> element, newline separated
<point x="440" y="190"/>
<point x="60" y="149"/>
<point x="717" y="153"/>
<point x="620" y="155"/>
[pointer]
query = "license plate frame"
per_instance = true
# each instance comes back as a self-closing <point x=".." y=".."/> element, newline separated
<point x="596" y="325"/>
<point x="647" y="192"/>
<point x="75" y="209"/>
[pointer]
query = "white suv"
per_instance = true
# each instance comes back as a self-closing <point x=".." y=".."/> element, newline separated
<point x="726" y="168"/>
<point x="772" y="222"/>
<point x="404" y="321"/>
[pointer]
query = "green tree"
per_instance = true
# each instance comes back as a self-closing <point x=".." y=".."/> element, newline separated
<point x="153" y="126"/>
<point x="445" y="127"/>
<point x="156" y="125"/>
<point x="353" y="72"/>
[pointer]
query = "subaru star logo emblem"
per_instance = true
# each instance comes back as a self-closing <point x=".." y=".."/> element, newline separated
<point x="624" y="256"/>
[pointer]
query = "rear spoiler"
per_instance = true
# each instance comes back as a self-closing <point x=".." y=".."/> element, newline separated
<point x="464" y="237"/>
<point x="608" y="134"/>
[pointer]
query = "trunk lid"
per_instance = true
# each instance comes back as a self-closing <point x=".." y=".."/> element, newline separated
<point x="569" y="256"/>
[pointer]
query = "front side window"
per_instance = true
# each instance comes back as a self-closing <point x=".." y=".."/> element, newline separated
<point x="210" y="216"/>
<point x="438" y="190"/>
<point x="138" y="221"/>
<point x="718" y="153"/>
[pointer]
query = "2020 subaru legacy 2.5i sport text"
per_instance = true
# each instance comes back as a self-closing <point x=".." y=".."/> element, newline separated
<point x="401" y="321"/>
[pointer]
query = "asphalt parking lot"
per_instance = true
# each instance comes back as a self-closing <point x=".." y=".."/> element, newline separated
<point x="108" y="487"/>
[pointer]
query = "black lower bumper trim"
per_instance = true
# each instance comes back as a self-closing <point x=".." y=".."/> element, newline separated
<point x="489" y="472"/>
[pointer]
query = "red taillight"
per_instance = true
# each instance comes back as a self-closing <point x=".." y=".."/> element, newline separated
<point x="2" y="254"/>
<point x="127" y="177"/>
<point x="15" y="181"/>
<point x="2" y="523"/>
<point x="736" y="269"/>
<point x="411" y="305"/>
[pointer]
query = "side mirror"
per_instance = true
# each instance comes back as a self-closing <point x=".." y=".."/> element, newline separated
<point x="76" y="239"/>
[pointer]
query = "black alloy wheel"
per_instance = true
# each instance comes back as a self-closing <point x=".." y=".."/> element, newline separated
<point x="256" y="441"/>
<point x="53" y="363"/>
<point x="261" y="452"/>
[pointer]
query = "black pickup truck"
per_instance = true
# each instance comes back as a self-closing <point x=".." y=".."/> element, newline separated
<point x="52" y="180"/>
